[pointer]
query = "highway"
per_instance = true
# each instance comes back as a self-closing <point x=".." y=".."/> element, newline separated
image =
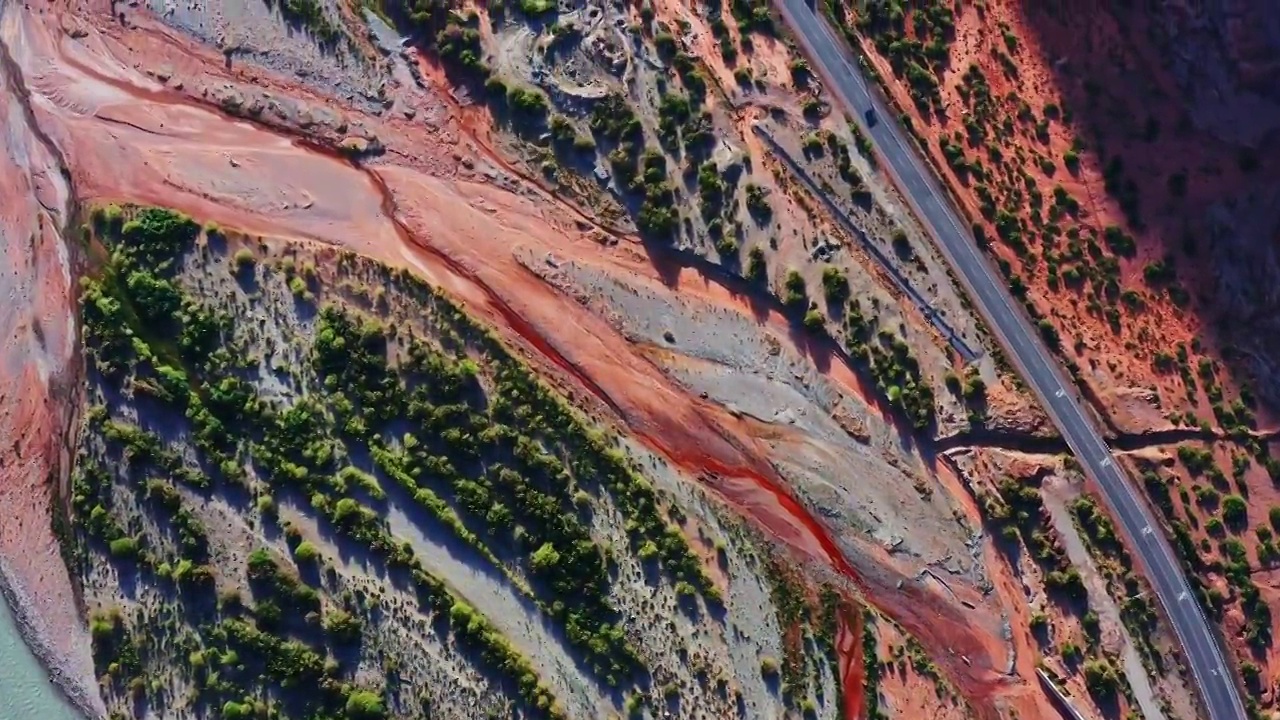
<point x="986" y="288"/>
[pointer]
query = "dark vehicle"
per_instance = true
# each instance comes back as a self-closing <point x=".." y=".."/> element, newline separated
<point x="870" y="115"/>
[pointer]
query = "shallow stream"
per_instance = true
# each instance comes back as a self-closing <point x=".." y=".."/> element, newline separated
<point x="25" y="688"/>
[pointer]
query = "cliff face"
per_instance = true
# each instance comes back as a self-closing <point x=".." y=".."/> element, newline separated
<point x="1178" y="103"/>
<point x="1242" y="234"/>
<point x="1226" y="57"/>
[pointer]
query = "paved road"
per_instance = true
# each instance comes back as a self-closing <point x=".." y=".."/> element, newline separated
<point x="987" y="289"/>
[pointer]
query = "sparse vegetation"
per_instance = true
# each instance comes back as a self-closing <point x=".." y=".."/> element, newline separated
<point x="309" y="14"/>
<point x="1019" y="514"/>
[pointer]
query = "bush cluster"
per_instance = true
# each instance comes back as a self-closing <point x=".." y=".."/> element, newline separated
<point x="895" y="370"/>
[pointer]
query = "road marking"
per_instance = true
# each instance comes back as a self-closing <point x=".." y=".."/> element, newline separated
<point x="1146" y="530"/>
<point x="1106" y="462"/>
<point x="1182" y="597"/>
<point x="1060" y="393"/>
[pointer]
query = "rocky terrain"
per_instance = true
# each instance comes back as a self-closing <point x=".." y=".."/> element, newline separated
<point x="533" y="360"/>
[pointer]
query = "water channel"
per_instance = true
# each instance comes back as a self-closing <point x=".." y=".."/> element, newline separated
<point x="25" y="689"/>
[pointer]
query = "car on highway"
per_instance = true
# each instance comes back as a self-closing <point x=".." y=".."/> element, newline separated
<point x="870" y="116"/>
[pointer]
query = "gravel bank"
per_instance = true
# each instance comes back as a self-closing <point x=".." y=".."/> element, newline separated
<point x="80" y="692"/>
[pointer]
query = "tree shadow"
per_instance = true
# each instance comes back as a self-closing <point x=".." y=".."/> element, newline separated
<point x="247" y="278"/>
<point x="435" y="532"/>
<point x="350" y="550"/>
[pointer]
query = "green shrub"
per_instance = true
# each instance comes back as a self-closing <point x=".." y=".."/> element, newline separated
<point x="155" y="236"/>
<point x="665" y="43"/>
<point x="1101" y="679"/>
<point x="526" y="101"/>
<point x="974" y="387"/>
<point x="534" y="8"/>
<point x="1049" y="333"/>
<point x="306" y="552"/>
<point x="800" y="71"/>
<point x="835" y="287"/>
<point x="614" y="119"/>
<point x="310" y="14"/>
<point x="108" y="218"/>
<point x="342" y="626"/>
<point x="1235" y="511"/>
<point x="769" y="667"/>
<point x="496" y="86"/>
<point x="365" y="705"/>
<point x="758" y="203"/>
<point x="102" y="627"/>
<point x="1120" y="242"/>
<point x="232" y="710"/>
<point x="756" y="271"/>
<point x="544" y="559"/>
<point x="1071" y="652"/>
<point x="125" y="548"/>
<point x="266" y="505"/>
<point x="811" y="145"/>
<point x="648" y="551"/>
<point x="795" y="291"/>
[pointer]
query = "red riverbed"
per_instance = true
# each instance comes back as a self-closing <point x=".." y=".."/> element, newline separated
<point x="128" y="138"/>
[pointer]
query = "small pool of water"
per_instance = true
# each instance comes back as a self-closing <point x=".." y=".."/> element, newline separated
<point x="25" y="688"/>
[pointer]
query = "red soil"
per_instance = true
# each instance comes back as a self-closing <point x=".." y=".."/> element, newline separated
<point x="1109" y="68"/>
<point x="1098" y="64"/>
<point x="852" y="674"/>
<point x="38" y="396"/>
<point x="130" y="139"/>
